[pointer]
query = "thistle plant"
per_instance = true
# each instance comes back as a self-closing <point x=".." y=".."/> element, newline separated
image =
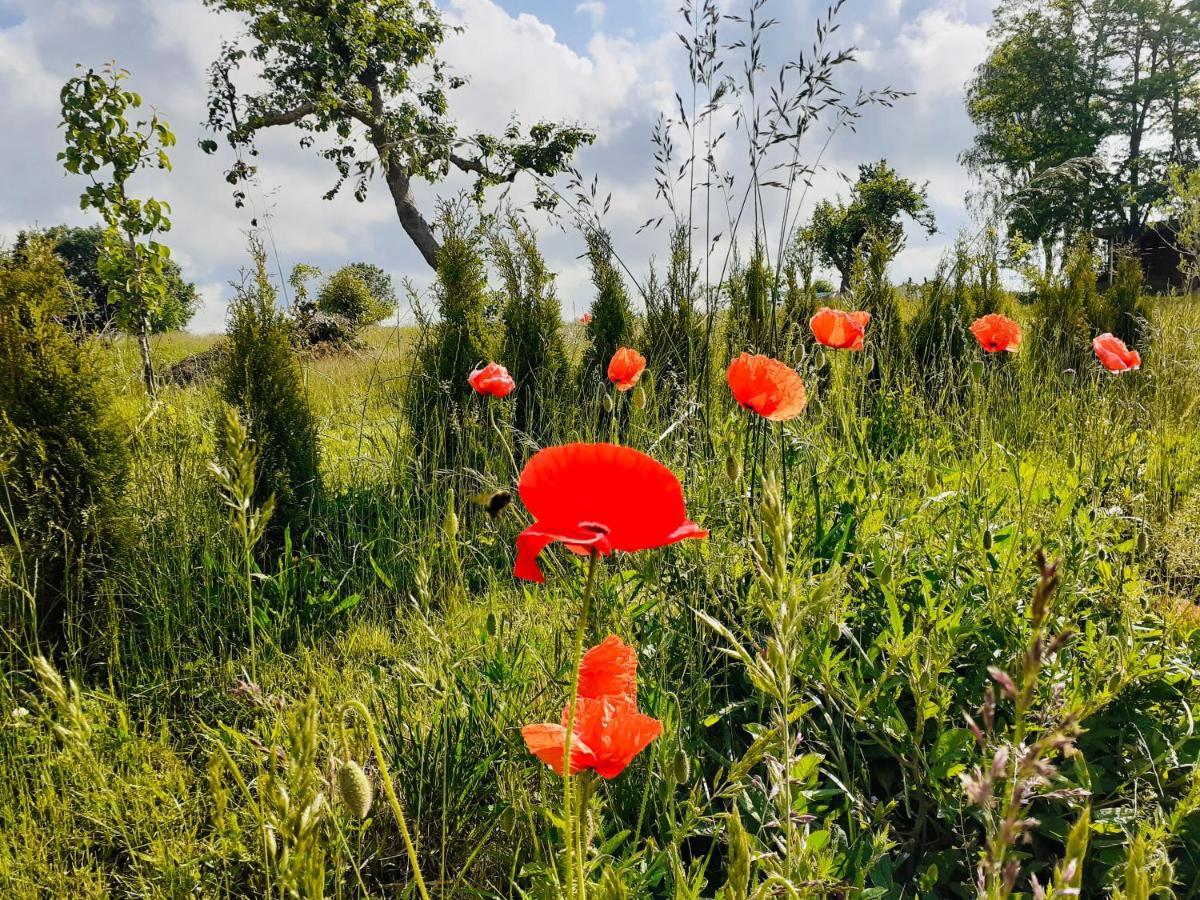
<point x="235" y="479"/>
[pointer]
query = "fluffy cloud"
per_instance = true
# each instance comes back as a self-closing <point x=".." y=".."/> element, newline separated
<point x="518" y="64"/>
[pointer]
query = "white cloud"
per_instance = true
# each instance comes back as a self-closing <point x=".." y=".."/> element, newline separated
<point x="517" y="64"/>
<point x="593" y="8"/>
<point x="210" y="316"/>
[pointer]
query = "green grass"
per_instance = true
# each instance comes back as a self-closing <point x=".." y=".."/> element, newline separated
<point x="895" y="567"/>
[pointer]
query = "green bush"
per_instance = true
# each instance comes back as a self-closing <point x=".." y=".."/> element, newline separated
<point x="1067" y="306"/>
<point x="674" y="336"/>
<point x="361" y="293"/>
<point x="63" y="453"/>
<point x="533" y="348"/>
<point x="1124" y="314"/>
<point x="612" y="322"/>
<point x="448" y="349"/>
<point x="262" y="377"/>
<point x="749" y="291"/>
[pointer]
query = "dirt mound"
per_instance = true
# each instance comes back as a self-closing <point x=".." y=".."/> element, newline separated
<point x="196" y="368"/>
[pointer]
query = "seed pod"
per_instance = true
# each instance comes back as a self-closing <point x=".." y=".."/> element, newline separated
<point x="1072" y="460"/>
<point x="450" y="523"/>
<point x="931" y="480"/>
<point x="977" y="369"/>
<point x="681" y="767"/>
<point x="885" y="574"/>
<point x="1143" y="542"/>
<point x="870" y="366"/>
<point x="491" y="624"/>
<point x="987" y="539"/>
<point x="639" y="398"/>
<point x="733" y="466"/>
<point x="608" y="403"/>
<point x="354" y="789"/>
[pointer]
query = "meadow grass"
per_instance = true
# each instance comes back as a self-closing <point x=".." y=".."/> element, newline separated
<point x="812" y="661"/>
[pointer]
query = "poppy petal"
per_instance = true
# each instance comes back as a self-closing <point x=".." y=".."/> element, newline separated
<point x="609" y="669"/>
<point x="627" y="734"/>
<point x="546" y="741"/>
<point x="534" y="539"/>
<point x="637" y="499"/>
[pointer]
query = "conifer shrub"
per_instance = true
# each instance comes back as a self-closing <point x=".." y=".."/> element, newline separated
<point x="533" y="348"/>
<point x="750" y="291"/>
<point x="939" y="338"/>
<point x="63" y="456"/>
<point x="458" y="341"/>
<point x="674" y="332"/>
<point x="262" y="377"/>
<point x="1067" y="306"/>
<point x="1124" y="313"/>
<point x="612" y="322"/>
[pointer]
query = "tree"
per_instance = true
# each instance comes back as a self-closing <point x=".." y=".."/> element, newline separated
<point x="877" y="201"/>
<point x="335" y="69"/>
<point x="1081" y="108"/>
<point x="106" y="146"/>
<point x="349" y="294"/>
<point x="1183" y="210"/>
<point x="79" y="250"/>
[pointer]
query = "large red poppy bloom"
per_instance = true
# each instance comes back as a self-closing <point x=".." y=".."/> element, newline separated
<point x="1114" y="355"/>
<point x="599" y="497"/>
<point x="608" y="731"/>
<point x="586" y="318"/>
<point x="839" y="330"/>
<point x="492" y="379"/>
<point x="625" y="368"/>
<point x="772" y="389"/>
<point x="997" y="333"/>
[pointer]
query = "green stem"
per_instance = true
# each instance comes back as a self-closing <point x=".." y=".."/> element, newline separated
<point x="358" y="707"/>
<point x="569" y="823"/>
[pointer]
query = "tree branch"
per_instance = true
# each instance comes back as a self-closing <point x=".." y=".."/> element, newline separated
<point x="283" y="117"/>
<point x="477" y="166"/>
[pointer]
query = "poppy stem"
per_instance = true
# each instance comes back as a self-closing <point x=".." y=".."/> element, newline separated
<point x="569" y="823"/>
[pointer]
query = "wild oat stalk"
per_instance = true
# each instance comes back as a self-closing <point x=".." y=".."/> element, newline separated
<point x="1023" y="770"/>
<point x="235" y="478"/>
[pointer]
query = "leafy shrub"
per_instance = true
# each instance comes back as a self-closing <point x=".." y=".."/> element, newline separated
<point x="611" y="324"/>
<point x="360" y="293"/>
<point x="533" y="348"/>
<point x="261" y="376"/>
<point x="674" y="336"/>
<point x="63" y="454"/>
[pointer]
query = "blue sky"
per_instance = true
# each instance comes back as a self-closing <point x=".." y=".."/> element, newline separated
<point x="612" y="65"/>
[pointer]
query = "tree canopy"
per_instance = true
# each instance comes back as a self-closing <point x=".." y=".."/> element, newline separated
<point x="79" y="249"/>
<point x="878" y="201"/>
<point x="364" y="78"/>
<point x="1082" y="107"/>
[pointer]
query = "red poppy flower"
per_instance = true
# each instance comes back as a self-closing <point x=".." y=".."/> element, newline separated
<point x="625" y="368"/>
<point x="839" y="330"/>
<point x="492" y="379"/>
<point x="586" y="318"/>
<point x="997" y="333"/>
<point x="772" y="389"/>
<point x="599" y="497"/>
<point x="608" y="731"/>
<point x="1114" y="355"/>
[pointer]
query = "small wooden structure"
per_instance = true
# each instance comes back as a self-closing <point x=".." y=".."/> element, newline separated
<point x="1155" y="248"/>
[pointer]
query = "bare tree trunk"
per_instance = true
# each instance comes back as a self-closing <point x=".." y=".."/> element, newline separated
<point x="413" y="222"/>
<point x="147" y="362"/>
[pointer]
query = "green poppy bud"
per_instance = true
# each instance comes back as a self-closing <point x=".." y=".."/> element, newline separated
<point x="354" y="789"/>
